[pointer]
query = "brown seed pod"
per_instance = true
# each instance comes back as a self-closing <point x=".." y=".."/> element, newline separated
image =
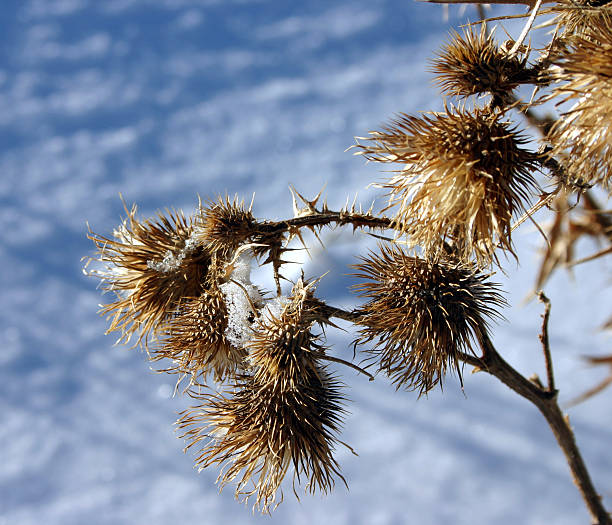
<point x="421" y="315"/>
<point x="473" y="64"/>
<point x="224" y="225"/>
<point x="582" y="136"/>
<point x="196" y="343"/>
<point x="287" y="412"/>
<point x="150" y="265"/>
<point x="465" y="175"/>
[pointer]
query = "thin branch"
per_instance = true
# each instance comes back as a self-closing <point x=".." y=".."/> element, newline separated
<point x="559" y="171"/>
<point x="546" y="402"/>
<point x="545" y="341"/>
<point x="332" y="311"/>
<point x="534" y="12"/>
<point x="472" y="360"/>
<point x="542" y="124"/>
<point x="591" y="392"/>
<point x="596" y="255"/>
<point x="349" y="364"/>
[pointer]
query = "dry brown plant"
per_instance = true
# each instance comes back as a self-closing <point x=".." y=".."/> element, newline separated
<point x="421" y="315"/>
<point x="465" y="178"/>
<point x="285" y="412"/>
<point x="465" y="175"/>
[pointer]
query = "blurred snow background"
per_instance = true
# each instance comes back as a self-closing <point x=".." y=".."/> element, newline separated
<point x="163" y="100"/>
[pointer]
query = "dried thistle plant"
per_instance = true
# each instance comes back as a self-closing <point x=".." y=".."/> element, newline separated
<point x="150" y="265"/>
<point x="465" y="176"/>
<point x="422" y="315"/>
<point x="195" y="340"/>
<point x="285" y="412"/>
<point x="473" y="64"/>
<point x="224" y="225"/>
<point x="257" y="364"/>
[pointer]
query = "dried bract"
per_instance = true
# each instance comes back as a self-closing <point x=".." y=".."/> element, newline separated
<point x="421" y="315"/>
<point x="582" y="137"/>
<point x="286" y="412"/>
<point x="465" y="175"/>
<point x="574" y="17"/>
<point x="196" y="341"/>
<point x="473" y="64"/>
<point x="150" y="265"/>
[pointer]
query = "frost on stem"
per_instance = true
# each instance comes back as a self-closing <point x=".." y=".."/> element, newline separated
<point x="241" y="298"/>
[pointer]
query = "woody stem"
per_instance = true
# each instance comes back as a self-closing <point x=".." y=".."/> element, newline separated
<point x="546" y="402"/>
<point x="544" y="398"/>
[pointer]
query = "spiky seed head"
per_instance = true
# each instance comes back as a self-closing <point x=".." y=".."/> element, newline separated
<point x="473" y="64"/>
<point x="283" y="343"/>
<point x="285" y="413"/>
<point x="421" y="314"/>
<point x="574" y="17"/>
<point x="196" y="343"/>
<point x="465" y="175"/>
<point x="224" y="225"/>
<point x="150" y="265"/>
<point x="582" y="136"/>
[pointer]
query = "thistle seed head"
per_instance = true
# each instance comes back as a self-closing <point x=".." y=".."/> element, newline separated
<point x="465" y="175"/>
<point x="286" y="412"/>
<point x="283" y="345"/>
<point x="582" y="136"/>
<point x="196" y="341"/>
<point x="421" y="314"/>
<point x="224" y="225"/>
<point x="473" y="64"/>
<point x="150" y="265"/>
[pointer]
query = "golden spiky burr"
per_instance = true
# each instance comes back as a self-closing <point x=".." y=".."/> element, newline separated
<point x="150" y="265"/>
<point x="285" y="413"/>
<point x="224" y="224"/>
<point x="196" y="343"/>
<point x="421" y="315"/>
<point x="465" y="175"/>
<point x="473" y="64"/>
<point x="582" y="137"/>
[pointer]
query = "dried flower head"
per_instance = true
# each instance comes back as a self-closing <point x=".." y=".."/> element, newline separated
<point x="150" y="265"/>
<point x="421" y="315"/>
<point x="286" y="412"/>
<point x="574" y="17"/>
<point x="224" y="225"/>
<point x="582" y="137"/>
<point x="473" y="64"/>
<point x="465" y="176"/>
<point x="196" y="340"/>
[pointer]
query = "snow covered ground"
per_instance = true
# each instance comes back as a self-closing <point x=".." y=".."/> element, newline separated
<point x="161" y="100"/>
